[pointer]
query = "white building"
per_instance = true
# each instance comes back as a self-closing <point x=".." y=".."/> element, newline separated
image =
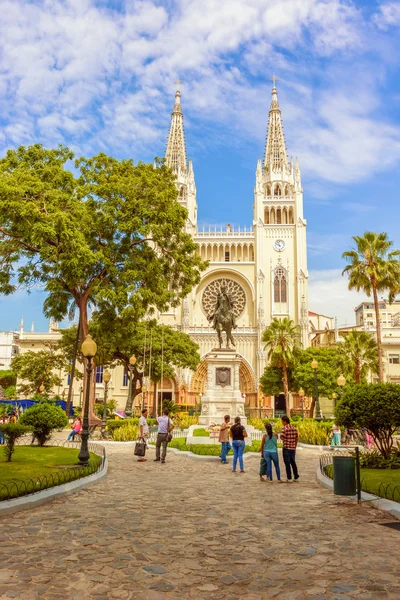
<point x="8" y="348"/>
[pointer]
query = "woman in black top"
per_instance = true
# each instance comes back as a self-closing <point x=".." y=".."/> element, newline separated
<point x="238" y="433"/>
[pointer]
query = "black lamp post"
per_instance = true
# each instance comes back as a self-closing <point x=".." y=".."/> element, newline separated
<point x="106" y="379"/>
<point x="89" y="349"/>
<point x="132" y="362"/>
<point x="341" y="381"/>
<point x="318" y="416"/>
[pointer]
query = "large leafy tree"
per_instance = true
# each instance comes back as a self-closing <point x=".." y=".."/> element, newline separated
<point x="110" y="234"/>
<point x="271" y="381"/>
<point x="159" y="349"/>
<point x="373" y="267"/>
<point x="282" y="342"/>
<point x="359" y="354"/>
<point x="35" y="369"/>
<point x="375" y="406"/>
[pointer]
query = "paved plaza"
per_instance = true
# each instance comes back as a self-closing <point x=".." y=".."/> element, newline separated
<point x="191" y="529"/>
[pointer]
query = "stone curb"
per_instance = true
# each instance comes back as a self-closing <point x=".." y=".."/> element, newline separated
<point x="33" y="500"/>
<point x="203" y="457"/>
<point x="388" y="506"/>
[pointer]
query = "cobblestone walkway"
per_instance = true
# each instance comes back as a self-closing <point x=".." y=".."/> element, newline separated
<point x="195" y="530"/>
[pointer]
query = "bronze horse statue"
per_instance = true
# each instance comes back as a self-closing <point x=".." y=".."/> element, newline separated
<point x="223" y="317"/>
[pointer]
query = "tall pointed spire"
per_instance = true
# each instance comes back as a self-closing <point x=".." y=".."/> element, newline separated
<point x="176" y="147"/>
<point x="275" y="149"/>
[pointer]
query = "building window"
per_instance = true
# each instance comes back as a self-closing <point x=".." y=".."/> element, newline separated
<point x="227" y="257"/>
<point x="280" y="285"/>
<point x="394" y="359"/>
<point x="369" y="314"/>
<point x="125" y="379"/>
<point x="99" y="374"/>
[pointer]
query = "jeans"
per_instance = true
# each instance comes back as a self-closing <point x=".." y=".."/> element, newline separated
<point x="161" y="441"/>
<point x="272" y="457"/>
<point x="225" y="447"/>
<point x="238" y="449"/>
<point x="289" y="457"/>
<point x="335" y="439"/>
<point x="72" y="435"/>
<point x="1" y="438"/>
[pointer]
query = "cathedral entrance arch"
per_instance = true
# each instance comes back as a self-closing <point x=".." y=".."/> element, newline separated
<point x="246" y="378"/>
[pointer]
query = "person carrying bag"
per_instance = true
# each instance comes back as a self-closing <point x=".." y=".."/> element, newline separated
<point x="164" y="436"/>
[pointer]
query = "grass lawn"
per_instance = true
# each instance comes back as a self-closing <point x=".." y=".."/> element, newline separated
<point x="381" y="482"/>
<point x="33" y="462"/>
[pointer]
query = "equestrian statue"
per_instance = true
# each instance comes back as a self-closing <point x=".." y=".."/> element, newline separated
<point x="223" y="317"/>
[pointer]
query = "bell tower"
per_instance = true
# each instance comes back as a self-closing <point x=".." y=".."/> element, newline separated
<point x="280" y="229"/>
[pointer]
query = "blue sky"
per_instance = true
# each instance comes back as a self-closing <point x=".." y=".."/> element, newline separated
<point x="99" y="75"/>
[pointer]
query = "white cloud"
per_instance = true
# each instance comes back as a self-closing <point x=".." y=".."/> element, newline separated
<point x="102" y="79"/>
<point x="388" y="15"/>
<point x="329" y="295"/>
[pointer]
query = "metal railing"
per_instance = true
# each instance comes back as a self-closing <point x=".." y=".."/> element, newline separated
<point x="17" y="488"/>
<point x="387" y="490"/>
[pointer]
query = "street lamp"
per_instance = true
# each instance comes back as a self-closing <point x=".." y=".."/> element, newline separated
<point x="41" y="388"/>
<point x="132" y="362"/>
<point x="144" y="390"/>
<point x="341" y="381"/>
<point x="106" y="379"/>
<point x="301" y="394"/>
<point x="314" y="365"/>
<point x="334" y="398"/>
<point x="89" y="349"/>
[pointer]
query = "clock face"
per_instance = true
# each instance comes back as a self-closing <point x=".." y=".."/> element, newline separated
<point x="279" y="245"/>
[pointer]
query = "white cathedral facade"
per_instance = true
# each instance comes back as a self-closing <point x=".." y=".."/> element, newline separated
<point x="265" y="267"/>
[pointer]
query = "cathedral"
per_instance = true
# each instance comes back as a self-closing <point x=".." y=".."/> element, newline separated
<point x="264" y="267"/>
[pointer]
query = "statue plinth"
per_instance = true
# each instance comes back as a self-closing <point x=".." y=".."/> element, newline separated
<point x="222" y="396"/>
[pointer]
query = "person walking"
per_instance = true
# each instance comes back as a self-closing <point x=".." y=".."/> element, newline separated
<point x="238" y="433"/>
<point x="224" y="439"/>
<point x="289" y="438"/>
<point x="336" y="435"/>
<point x="76" y="429"/>
<point x="165" y="425"/>
<point x="269" y="451"/>
<point x="143" y="432"/>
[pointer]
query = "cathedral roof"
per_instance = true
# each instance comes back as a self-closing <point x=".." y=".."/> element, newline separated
<point x="275" y="149"/>
<point x="176" y="146"/>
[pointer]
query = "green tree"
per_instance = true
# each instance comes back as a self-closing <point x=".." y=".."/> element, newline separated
<point x="42" y="419"/>
<point x="7" y="378"/>
<point x="360" y="353"/>
<point x="375" y="406"/>
<point x="118" y="338"/>
<point x="271" y="381"/>
<point x="37" y="369"/>
<point x="330" y="365"/>
<point x="111" y="236"/>
<point x="282" y="340"/>
<point x="374" y="268"/>
<point x="11" y="432"/>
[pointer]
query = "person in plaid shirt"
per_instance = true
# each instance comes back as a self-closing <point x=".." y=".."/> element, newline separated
<point x="289" y="438"/>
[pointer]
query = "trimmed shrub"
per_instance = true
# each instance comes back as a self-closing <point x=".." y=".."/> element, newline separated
<point x="127" y="433"/>
<point x="11" y="432"/>
<point x="42" y="419"/>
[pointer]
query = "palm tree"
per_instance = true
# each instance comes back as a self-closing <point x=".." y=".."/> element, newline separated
<point x="360" y="352"/>
<point x="283" y="340"/>
<point x="373" y="268"/>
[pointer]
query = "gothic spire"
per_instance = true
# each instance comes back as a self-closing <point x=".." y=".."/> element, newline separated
<point x="275" y="148"/>
<point x="176" y="147"/>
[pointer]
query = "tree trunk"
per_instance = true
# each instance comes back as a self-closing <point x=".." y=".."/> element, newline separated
<point x="378" y="331"/>
<point x="357" y="371"/>
<point x="72" y="374"/>
<point x="84" y="330"/>
<point x="285" y="387"/>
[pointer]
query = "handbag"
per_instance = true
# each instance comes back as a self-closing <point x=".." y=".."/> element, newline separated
<point x="140" y="447"/>
<point x="169" y="436"/>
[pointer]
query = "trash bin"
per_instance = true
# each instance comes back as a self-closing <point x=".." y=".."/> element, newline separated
<point x="344" y="475"/>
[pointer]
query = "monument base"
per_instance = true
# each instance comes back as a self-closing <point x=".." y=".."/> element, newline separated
<point x="222" y="396"/>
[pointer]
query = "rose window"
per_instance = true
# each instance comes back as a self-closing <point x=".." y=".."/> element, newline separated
<point x="211" y="292"/>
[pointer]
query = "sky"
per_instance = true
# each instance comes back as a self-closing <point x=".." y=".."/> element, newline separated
<point x="98" y="76"/>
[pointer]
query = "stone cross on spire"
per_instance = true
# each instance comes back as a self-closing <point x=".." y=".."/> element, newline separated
<point x="275" y="149"/>
<point x="176" y="146"/>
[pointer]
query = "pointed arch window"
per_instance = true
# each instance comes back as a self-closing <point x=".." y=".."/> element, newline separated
<point x="280" y="285"/>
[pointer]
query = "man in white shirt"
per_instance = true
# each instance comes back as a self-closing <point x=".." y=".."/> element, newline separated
<point x="165" y="425"/>
<point x="143" y="431"/>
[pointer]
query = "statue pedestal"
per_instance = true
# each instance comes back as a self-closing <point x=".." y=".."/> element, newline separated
<point x="222" y="396"/>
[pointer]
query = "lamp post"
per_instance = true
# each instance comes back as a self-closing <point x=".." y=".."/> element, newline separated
<point x="341" y="381"/>
<point x="301" y="394"/>
<point x="89" y="349"/>
<point x="334" y="398"/>
<point x="144" y="390"/>
<point x="106" y="379"/>
<point x="314" y="365"/>
<point x="132" y="362"/>
<point x="200" y="396"/>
